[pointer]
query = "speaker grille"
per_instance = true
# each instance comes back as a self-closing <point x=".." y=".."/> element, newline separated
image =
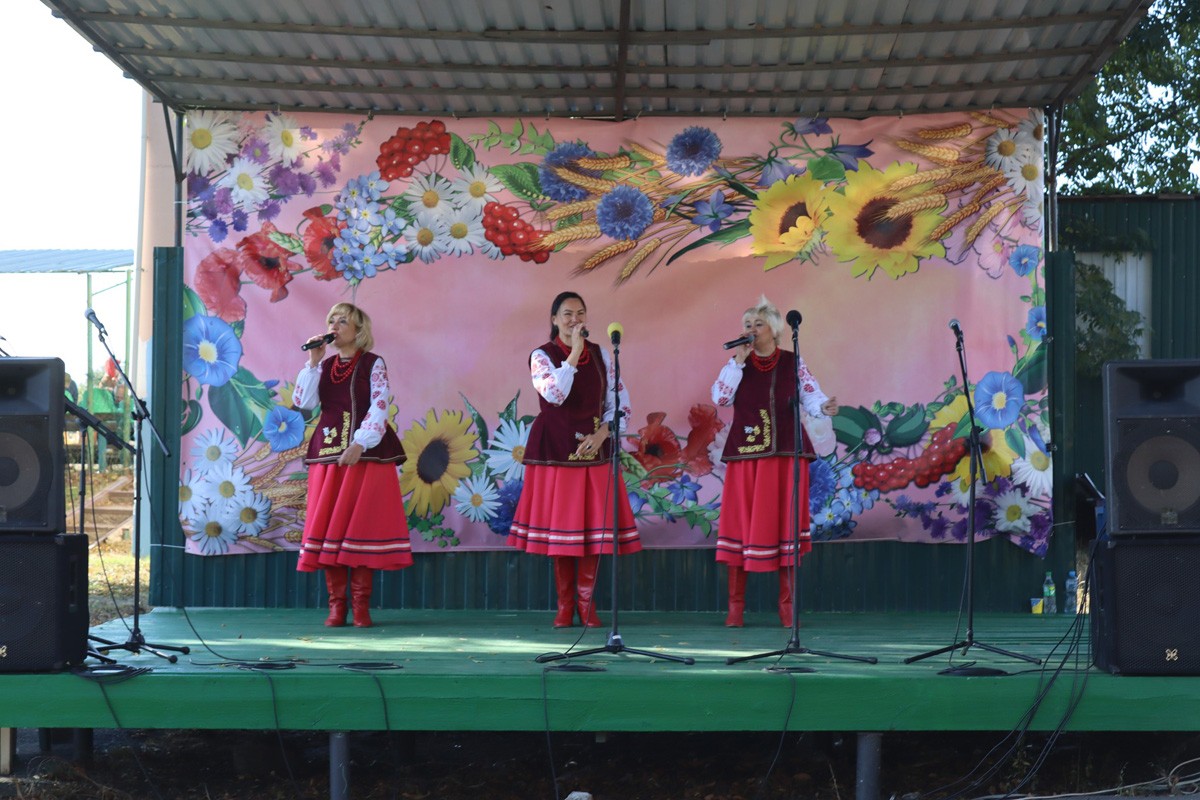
<point x="1157" y="480"/>
<point x="43" y="602"/>
<point x="31" y="446"/>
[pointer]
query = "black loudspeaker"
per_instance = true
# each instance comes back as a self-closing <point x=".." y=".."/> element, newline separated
<point x="43" y="602"/>
<point x="1144" y="606"/>
<point x="31" y="446"/>
<point x="1152" y="447"/>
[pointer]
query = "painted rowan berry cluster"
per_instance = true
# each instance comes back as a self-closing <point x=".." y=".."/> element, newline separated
<point x="940" y="458"/>
<point x="408" y="147"/>
<point x="503" y="227"/>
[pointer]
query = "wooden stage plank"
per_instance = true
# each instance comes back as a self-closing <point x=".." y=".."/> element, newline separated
<point x="474" y="671"/>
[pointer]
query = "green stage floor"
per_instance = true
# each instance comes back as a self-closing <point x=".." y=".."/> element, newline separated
<point x="475" y="671"/>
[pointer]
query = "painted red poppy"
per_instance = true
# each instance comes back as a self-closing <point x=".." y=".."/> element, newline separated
<point x="705" y="425"/>
<point x="658" y="450"/>
<point x="218" y="282"/>
<point x="266" y="263"/>
<point x="319" y="236"/>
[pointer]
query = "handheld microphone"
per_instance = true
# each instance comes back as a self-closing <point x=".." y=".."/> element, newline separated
<point x="954" y="326"/>
<point x="615" y="331"/>
<point x="793" y="318"/>
<point x="90" y="316"/>
<point x="585" y="332"/>
<point x="315" y="343"/>
<point x="732" y="343"/>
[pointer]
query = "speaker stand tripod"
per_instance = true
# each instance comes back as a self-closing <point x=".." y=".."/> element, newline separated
<point x="136" y="643"/>
<point x="793" y="646"/>
<point x="615" y="644"/>
<point x="976" y="471"/>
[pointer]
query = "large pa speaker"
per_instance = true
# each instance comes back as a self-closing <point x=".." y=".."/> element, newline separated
<point x="43" y="602"/>
<point x="1152" y="447"/>
<point x="1144" y="606"/>
<point x="31" y="446"/>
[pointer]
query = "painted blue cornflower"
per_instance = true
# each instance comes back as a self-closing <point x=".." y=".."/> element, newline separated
<point x="507" y="495"/>
<point x="822" y="483"/>
<point x="711" y="212"/>
<point x="240" y="220"/>
<point x="564" y="155"/>
<point x="1024" y="258"/>
<point x="685" y="490"/>
<point x="693" y="150"/>
<point x="284" y="428"/>
<point x="998" y="400"/>
<point x="1035" y="326"/>
<point x="624" y="213"/>
<point x="211" y="350"/>
<point x="217" y="231"/>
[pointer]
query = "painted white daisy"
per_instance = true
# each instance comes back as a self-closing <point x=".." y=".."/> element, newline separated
<point x="1034" y="126"/>
<point x="1034" y="470"/>
<point x="476" y="499"/>
<point x="250" y="512"/>
<point x="211" y="137"/>
<point x="506" y="456"/>
<point x="215" y="530"/>
<point x="225" y="483"/>
<point x="1027" y="177"/>
<point x="427" y="237"/>
<point x="246" y="183"/>
<point x="430" y="193"/>
<point x="490" y="250"/>
<point x="464" y="231"/>
<point x="282" y="134"/>
<point x="1033" y="210"/>
<point x="960" y="492"/>
<point x="475" y="187"/>
<point x="192" y="500"/>
<point x="1000" y="150"/>
<point x="213" y="448"/>
<point x="1013" y="512"/>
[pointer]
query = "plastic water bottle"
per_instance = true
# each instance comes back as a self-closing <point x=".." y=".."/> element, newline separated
<point x="1049" y="602"/>
<point x="1070" y="590"/>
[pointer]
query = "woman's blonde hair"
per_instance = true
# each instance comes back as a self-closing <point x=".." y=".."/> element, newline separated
<point x="363" y="340"/>
<point x="768" y="313"/>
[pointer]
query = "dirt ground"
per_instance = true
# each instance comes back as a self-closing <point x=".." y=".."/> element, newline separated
<point x="233" y="765"/>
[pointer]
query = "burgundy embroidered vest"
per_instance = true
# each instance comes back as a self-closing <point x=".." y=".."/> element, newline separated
<point x="763" y="424"/>
<point x="555" y="433"/>
<point x="343" y="407"/>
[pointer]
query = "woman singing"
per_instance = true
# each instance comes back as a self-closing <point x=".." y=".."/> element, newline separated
<point x="355" y="522"/>
<point x="566" y="505"/>
<point x="754" y="533"/>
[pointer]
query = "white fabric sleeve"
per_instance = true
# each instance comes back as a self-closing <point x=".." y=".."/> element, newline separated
<point x="554" y="384"/>
<point x="810" y="391"/>
<point x="305" y="394"/>
<point x="370" y="431"/>
<point x="727" y="383"/>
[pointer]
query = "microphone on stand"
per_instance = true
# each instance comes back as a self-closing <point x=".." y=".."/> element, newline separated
<point x="315" y="343"/>
<point x="954" y="326"/>
<point x="90" y="316"/>
<point x="615" y="331"/>
<point x="741" y="340"/>
<point x="793" y="319"/>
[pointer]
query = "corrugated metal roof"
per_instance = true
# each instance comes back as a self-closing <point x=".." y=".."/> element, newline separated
<point x="607" y="58"/>
<point x="64" y="260"/>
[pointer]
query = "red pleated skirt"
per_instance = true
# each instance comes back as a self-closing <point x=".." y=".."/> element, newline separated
<point x="567" y="511"/>
<point x="754" y="531"/>
<point x="355" y="518"/>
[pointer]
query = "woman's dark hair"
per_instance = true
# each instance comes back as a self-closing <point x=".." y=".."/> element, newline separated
<point x="558" y="301"/>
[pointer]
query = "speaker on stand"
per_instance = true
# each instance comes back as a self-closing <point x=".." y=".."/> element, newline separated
<point x="32" y="498"/>
<point x="1144" y="604"/>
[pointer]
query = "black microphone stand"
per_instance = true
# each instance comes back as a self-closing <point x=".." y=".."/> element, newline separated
<point x="137" y="641"/>
<point x="976" y="470"/>
<point x="87" y="419"/>
<point x="615" y="644"/>
<point x="793" y="647"/>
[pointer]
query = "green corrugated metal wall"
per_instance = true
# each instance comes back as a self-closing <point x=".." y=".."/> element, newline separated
<point x="843" y="576"/>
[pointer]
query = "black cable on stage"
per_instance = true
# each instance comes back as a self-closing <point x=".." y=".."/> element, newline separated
<point x="787" y="721"/>
<point x="102" y="676"/>
<point x="279" y="734"/>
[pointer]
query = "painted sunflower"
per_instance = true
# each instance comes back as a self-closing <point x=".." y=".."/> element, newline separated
<point x="998" y="456"/>
<point x="786" y="220"/>
<point x="438" y="453"/>
<point x="861" y="233"/>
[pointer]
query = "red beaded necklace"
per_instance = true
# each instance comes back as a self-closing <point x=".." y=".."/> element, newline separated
<point x="765" y="363"/>
<point x="584" y="357"/>
<point x="339" y="373"/>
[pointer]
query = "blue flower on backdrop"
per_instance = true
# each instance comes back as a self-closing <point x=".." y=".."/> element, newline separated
<point x="998" y="400"/>
<point x="284" y="428"/>
<point x="624" y="213"/>
<point x="1024" y="258"/>
<point x="849" y="154"/>
<point x="1035" y="326"/>
<point x="564" y="155"/>
<point x="693" y="150"/>
<point x="685" y="490"/>
<point x="211" y="349"/>
<point x="822" y="483"/>
<point x="507" y="496"/>
<point x="712" y="211"/>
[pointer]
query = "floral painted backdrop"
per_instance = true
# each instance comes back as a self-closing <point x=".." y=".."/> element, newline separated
<point x="456" y="234"/>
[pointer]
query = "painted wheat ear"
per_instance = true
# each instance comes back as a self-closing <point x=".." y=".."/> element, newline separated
<point x="954" y="219"/>
<point x="613" y="250"/>
<point x="648" y="154"/>
<point x="988" y="119"/>
<point x="584" y="230"/>
<point x="978" y="225"/>
<point x="914" y="205"/>
<point x="951" y="132"/>
<point x="937" y="153"/>
<point x="568" y="209"/>
<point x="596" y="185"/>
<point x="637" y="258"/>
<point x="931" y="176"/>
<point x="602" y="164"/>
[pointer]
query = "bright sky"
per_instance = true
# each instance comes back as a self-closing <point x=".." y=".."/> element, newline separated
<point x="72" y="134"/>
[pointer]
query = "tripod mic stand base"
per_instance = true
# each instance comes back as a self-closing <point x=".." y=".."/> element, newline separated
<point x="614" y="646"/>
<point x="972" y="671"/>
<point x="136" y="644"/>
<point x="797" y="650"/>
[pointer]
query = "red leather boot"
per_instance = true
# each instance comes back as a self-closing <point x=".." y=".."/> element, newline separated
<point x="335" y="582"/>
<point x="586" y="587"/>
<point x="737" y="597"/>
<point x="564" y="588"/>
<point x="785" y="596"/>
<point x="361" y="579"/>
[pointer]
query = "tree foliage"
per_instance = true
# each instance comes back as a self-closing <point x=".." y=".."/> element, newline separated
<point x="1134" y="129"/>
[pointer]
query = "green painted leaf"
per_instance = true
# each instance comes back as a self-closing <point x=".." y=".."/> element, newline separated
<point x="851" y="422"/>
<point x="521" y="179"/>
<point x="461" y="153"/>
<point x="742" y="188"/>
<point x="1031" y="372"/>
<point x="192" y="414"/>
<point x="510" y="411"/>
<point x="730" y="233"/>
<point x="288" y="242"/>
<point x="480" y="425"/>
<point x="241" y="404"/>
<point x="192" y="304"/>
<point x="826" y="169"/>
<point x="1016" y="441"/>
<point x="907" y="429"/>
